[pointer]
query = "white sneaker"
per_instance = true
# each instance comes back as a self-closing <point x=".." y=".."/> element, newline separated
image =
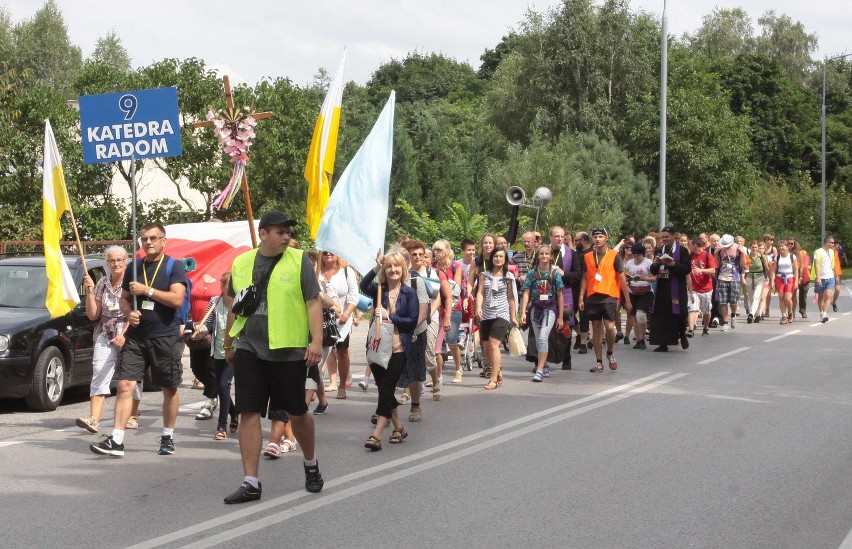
<point x="733" y="323"/>
<point x="725" y="327"/>
<point x="364" y="384"/>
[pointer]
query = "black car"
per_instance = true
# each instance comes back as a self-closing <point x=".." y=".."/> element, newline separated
<point x="41" y="357"/>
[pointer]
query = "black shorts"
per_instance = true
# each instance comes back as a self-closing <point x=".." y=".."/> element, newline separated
<point x="343" y="344"/>
<point x="263" y="385"/>
<point x="161" y="355"/>
<point x="494" y="328"/>
<point x="602" y="310"/>
<point x="278" y="415"/>
<point x="314" y="374"/>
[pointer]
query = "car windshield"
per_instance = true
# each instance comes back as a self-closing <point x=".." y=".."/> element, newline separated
<point x="23" y="286"/>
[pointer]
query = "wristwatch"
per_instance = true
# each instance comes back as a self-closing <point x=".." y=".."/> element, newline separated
<point x="150" y="292"/>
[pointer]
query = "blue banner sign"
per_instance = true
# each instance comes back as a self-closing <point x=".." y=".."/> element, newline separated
<point x="133" y="124"/>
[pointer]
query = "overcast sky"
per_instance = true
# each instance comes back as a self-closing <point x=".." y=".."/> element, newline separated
<point x="252" y="39"/>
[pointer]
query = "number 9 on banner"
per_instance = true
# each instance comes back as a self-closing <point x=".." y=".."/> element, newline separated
<point x="128" y="104"/>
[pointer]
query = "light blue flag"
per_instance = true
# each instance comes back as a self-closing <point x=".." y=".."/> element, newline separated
<point x="355" y="219"/>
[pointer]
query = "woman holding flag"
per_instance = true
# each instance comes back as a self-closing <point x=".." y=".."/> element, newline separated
<point x="398" y="305"/>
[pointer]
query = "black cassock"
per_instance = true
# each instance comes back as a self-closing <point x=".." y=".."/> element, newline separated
<point x="667" y="326"/>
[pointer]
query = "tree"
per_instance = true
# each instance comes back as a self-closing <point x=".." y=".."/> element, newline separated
<point x="708" y="147"/>
<point x="424" y="77"/>
<point x="778" y="110"/>
<point x="42" y="46"/>
<point x="111" y="52"/>
<point x="592" y="181"/>
<point x="723" y="33"/>
<point x="572" y="70"/>
<point x="787" y="43"/>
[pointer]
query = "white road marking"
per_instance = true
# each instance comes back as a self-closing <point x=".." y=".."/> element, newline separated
<point x="10" y="443"/>
<point x="776" y="338"/>
<point x="847" y="543"/>
<point x="815" y="324"/>
<point x="489" y="434"/>
<point x="848" y="313"/>
<point x="724" y="355"/>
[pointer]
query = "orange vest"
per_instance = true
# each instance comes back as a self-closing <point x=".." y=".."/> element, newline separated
<point x="609" y="285"/>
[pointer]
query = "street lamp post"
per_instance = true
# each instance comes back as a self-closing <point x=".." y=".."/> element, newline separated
<point x="822" y="209"/>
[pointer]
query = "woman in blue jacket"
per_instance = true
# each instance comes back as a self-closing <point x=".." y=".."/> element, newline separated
<point x="399" y="306"/>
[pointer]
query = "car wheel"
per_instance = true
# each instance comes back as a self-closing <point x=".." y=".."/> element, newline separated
<point x="48" y="381"/>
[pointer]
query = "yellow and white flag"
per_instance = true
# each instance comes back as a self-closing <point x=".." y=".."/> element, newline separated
<point x="320" y="164"/>
<point x="61" y="292"/>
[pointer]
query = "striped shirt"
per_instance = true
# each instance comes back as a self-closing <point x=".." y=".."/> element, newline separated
<point x="495" y="298"/>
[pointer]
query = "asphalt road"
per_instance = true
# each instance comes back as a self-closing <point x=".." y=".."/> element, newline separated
<point x="744" y="440"/>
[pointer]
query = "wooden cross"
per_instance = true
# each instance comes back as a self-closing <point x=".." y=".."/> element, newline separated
<point x="229" y="100"/>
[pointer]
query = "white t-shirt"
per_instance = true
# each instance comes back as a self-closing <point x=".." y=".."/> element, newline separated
<point x="641" y="269"/>
<point x="342" y="287"/>
<point x="422" y="297"/>
<point x="824" y="261"/>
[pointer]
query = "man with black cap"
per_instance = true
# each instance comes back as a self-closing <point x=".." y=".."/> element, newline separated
<point x="275" y="335"/>
<point x="601" y="283"/>
<point x="671" y="266"/>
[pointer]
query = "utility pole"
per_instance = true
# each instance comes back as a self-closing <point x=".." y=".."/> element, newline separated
<point x="664" y="69"/>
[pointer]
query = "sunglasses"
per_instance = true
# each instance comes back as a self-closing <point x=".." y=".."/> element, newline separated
<point x="151" y="239"/>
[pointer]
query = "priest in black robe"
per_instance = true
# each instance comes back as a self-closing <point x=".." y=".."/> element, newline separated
<point x="671" y="266"/>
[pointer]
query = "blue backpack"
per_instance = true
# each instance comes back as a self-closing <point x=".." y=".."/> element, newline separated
<point x="183" y="311"/>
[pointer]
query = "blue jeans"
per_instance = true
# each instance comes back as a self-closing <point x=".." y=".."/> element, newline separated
<point x="224" y="375"/>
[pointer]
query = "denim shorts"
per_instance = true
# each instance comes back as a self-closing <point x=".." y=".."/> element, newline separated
<point x="825" y="285"/>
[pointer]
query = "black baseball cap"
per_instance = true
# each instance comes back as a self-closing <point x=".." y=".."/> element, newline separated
<point x="275" y="217"/>
<point x="599" y="230"/>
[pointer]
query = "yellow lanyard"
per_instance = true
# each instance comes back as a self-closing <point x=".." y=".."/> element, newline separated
<point x="145" y="272"/>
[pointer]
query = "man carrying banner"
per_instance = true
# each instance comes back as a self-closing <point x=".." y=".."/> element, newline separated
<point x="269" y="345"/>
<point x="153" y="340"/>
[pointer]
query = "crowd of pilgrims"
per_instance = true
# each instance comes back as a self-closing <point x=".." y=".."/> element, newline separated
<point x="574" y="292"/>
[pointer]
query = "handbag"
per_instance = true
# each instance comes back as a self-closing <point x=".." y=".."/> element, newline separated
<point x="379" y="348"/>
<point x="517" y="347"/>
<point x="247" y="300"/>
<point x="330" y="331"/>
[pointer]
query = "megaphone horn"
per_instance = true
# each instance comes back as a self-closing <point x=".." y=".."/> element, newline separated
<point x="542" y="197"/>
<point x="515" y="196"/>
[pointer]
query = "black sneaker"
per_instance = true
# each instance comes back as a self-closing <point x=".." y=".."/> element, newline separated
<point x="246" y="492"/>
<point x="167" y="446"/>
<point x="690" y="333"/>
<point x="618" y="337"/>
<point x="313" y="479"/>
<point x="705" y="331"/>
<point x="107" y="447"/>
<point x="627" y="340"/>
<point x="644" y="346"/>
<point x="638" y="344"/>
<point x="714" y="323"/>
<point x="750" y="318"/>
<point x="320" y="409"/>
<point x="583" y="349"/>
<point x="834" y="307"/>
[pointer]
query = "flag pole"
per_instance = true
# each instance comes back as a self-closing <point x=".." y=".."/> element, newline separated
<point x="133" y="234"/>
<point x="77" y="234"/>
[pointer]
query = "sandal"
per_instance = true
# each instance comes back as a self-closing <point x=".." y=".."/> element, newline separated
<point x="287" y="445"/>
<point x="373" y="443"/>
<point x="235" y="424"/>
<point x="491" y="385"/>
<point x="397" y="435"/>
<point x="374" y="419"/>
<point x="500" y="378"/>
<point x="403" y="399"/>
<point x="272" y="451"/>
<point x="221" y="434"/>
<point x="341" y="394"/>
<point x="436" y="390"/>
<point x="458" y="377"/>
<point x="132" y="423"/>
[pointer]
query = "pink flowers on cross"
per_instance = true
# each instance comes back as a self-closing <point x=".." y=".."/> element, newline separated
<point x="235" y="132"/>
